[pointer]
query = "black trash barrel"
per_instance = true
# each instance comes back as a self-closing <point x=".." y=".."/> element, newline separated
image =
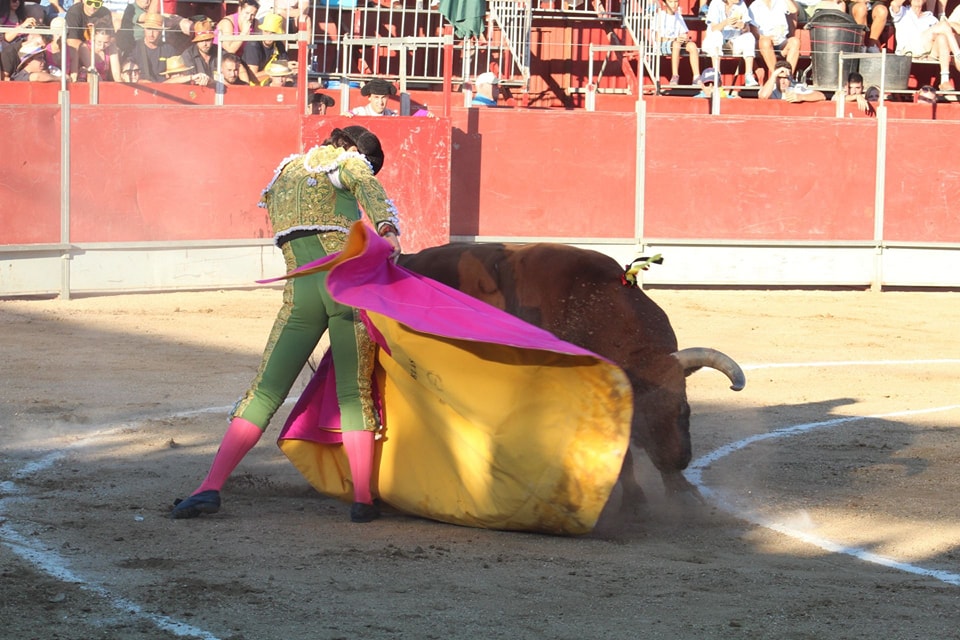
<point x="832" y="32"/>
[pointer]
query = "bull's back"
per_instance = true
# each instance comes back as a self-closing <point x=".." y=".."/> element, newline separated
<point x="576" y="294"/>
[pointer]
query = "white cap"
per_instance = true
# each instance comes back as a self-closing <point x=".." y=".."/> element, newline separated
<point x="488" y="77"/>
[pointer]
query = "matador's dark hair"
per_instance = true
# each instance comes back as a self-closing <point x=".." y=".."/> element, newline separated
<point x="363" y="139"/>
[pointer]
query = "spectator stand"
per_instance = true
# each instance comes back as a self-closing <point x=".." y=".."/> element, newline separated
<point x="639" y="19"/>
<point x="537" y="48"/>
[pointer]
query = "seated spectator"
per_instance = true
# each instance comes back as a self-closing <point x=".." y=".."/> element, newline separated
<point x="257" y="56"/>
<point x="131" y="23"/>
<point x="781" y="86"/>
<point x="10" y="54"/>
<point x="13" y="14"/>
<point x="925" y="95"/>
<point x="78" y="16"/>
<point x="230" y="69"/>
<point x="241" y="23"/>
<point x="872" y="94"/>
<point x="33" y="66"/>
<point x="708" y="81"/>
<point x="377" y="92"/>
<point x="672" y="33"/>
<point x="129" y="72"/>
<point x="922" y="36"/>
<point x="280" y="74"/>
<point x="178" y="30"/>
<point x="202" y="54"/>
<point x="151" y="53"/>
<point x="853" y="92"/>
<point x="488" y="90"/>
<point x="729" y="33"/>
<point x="320" y="103"/>
<point x="98" y="57"/>
<point x="176" y="72"/>
<point x="777" y="34"/>
<point x="878" y="20"/>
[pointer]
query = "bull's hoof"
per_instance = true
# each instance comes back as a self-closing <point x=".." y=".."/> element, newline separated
<point x="679" y="489"/>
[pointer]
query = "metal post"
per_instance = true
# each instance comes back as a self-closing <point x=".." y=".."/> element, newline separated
<point x="303" y="71"/>
<point x="641" y="177"/>
<point x="64" y="99"/>
<point x="843" y="97"/>
<point x="880" y="182"/>
<point x="221" y="86"/>
<point x="447" y="71"/>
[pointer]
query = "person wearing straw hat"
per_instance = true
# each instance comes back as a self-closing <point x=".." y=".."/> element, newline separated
<point x="260" y="55"/>
<point x="280" y="74"/>
<point x="131" y="24"/>
<point x="33" y="65"/>
<point x="152" y="52"/>
<point x="202" y="54"/>
<point x="312" y="201"/>
<point x="176" y="72"/>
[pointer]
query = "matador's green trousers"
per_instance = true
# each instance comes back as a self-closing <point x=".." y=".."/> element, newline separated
<point x="308" y="311"/>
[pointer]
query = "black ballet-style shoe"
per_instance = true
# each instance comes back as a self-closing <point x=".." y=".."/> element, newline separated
<point x="362" y="512"/>
<point x="197" y="504"/>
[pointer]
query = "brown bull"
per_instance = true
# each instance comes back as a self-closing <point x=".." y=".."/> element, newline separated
<point x="578" y="295"/>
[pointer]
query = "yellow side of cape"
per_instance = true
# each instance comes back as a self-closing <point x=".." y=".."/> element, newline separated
<point x="488" y="435"/>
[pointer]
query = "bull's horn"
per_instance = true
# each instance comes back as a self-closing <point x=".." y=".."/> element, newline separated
<point x="696" y="357"/>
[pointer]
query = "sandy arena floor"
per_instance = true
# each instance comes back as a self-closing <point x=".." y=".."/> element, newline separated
<point x="846" y="526"/>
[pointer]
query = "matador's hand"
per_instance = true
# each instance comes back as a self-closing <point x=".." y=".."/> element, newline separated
<point x="394" y="241"/>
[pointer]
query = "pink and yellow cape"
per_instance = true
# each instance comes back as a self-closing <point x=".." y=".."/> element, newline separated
<point x="488" y="421"/>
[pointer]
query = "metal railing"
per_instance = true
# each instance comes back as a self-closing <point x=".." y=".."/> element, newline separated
<point x="352" y="42"/>
<point x="638" y="19"/>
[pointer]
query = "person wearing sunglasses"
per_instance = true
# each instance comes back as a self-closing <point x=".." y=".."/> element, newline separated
<point x="79" y="16"/>
<point x="130" y="73"/>
<point x="925" y="95"/>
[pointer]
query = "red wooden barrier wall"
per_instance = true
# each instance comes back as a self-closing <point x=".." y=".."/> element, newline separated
<point x="156" y="173"/>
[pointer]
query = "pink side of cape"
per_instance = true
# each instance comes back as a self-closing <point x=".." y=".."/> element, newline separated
<point x="370" y="281"/>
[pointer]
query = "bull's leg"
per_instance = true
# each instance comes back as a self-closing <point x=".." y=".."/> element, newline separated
<point x="633" y="498"/>
<point x="677" y="485"/>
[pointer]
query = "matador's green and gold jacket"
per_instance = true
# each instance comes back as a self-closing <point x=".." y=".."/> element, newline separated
<point x="319" y="192"/>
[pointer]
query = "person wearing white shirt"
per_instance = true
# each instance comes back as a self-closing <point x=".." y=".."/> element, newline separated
<point x="776" y="34"/>
<point x="921" y="35"/>
<point x="377" y="92"/>
<point x="672" y="33"/>
<point x="729" y="33"/>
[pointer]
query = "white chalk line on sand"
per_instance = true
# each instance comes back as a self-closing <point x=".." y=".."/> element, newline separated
<point x="694" y="472"/>
<point x="54" y="565"/>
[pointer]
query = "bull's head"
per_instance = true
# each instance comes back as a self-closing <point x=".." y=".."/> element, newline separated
<point x="661" y="411"/>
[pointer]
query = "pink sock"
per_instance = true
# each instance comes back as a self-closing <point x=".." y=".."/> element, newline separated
<point x="240" y="437"/>
<point x="359" y="448"/>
